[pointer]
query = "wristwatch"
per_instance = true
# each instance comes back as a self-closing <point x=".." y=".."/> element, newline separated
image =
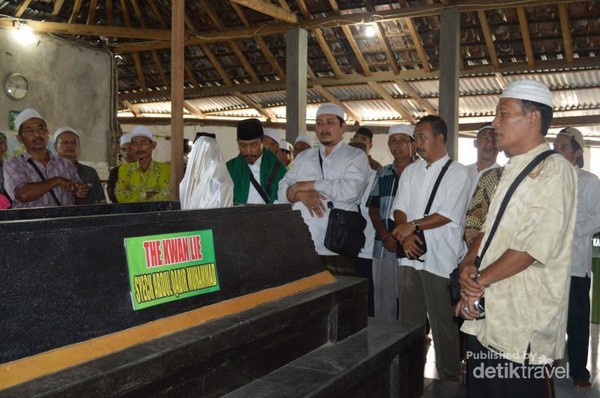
<point x="415" y="223"/>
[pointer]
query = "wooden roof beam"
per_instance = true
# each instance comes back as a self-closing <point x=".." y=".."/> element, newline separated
<point x="22" y="8"/>
<point x="193" y="110"/>
<point x="136" y="57"/>
<point x="75" y="11"/>
<point x="487" y="34"/>
<point x="271" y="117"/>
<point x="91" y="12"/>
<point x="134" y="109"/>
<point x="350" y="37"/>
<point x="270" y="9"/>
<point x="392" y="102"/>
<point x="406" y="87"/>
<point x="525" y="35"/>
<point x="328" y="95"/>
<point x="57" y="7"/>
<point x="565" y="27"/>
<point x="416" y="38"/>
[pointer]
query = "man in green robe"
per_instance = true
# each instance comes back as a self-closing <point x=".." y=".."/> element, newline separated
<point x="255" y="172"/>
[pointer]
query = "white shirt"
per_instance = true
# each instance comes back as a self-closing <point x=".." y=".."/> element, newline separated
<point x="445" y="243"/>
<point x="346" y="175"/>
<point x="253" y="195"/>
<point x="367" y="250"/>
<point x="475" y="174"/>
<point x="587" y="222"/>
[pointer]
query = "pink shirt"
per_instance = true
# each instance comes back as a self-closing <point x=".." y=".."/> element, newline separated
<point x="18" y="172"/>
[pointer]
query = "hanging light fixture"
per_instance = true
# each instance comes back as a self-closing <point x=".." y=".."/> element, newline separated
<point x="370" y="30"/>
<point x="23" y="33"/>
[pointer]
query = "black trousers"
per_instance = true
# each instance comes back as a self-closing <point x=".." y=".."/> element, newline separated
<point x="364" y="269"/>
<point x="490" y="375"/>
<point x="578" y="327"/>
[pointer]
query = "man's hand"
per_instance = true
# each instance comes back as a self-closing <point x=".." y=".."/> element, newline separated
<point x="313" y="201"/>
<point x="467" y="274"/>
<point x="411" y="247"/>
<point x="64" y="183"/>
<point x="82" y="190"/>
<point x="389" y="242"/>
<point x="466" y="306"/>
<point x="403" y="231"/>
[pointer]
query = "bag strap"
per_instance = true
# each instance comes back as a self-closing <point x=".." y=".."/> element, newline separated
<point x="330" y="203"/>
<point x="271" y="178"/>
<point x="51" y="192"/>
<point x="508" y="195"/>
<point x="436" y="186"/>
<point x="257" y="186"/>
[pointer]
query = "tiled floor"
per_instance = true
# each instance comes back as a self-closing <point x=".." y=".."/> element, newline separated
<point x="433" y="388"/>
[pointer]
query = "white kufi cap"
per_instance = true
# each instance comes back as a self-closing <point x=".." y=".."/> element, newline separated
<point x="141" y="131"/>
<point x="64" y="130"/>
<point x="304" y="138"/>
<point x="286" y="146"/>
<point x="403" y="128"/>
<point x="272" y="133"/>
<point x="125" y="139"/>
<point x="331" y="109"/>
<point x="25" y="115"/>
<point x="530" y="90"/>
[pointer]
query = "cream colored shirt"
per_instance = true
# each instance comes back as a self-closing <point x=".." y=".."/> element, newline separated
<point x="530" y="308"/>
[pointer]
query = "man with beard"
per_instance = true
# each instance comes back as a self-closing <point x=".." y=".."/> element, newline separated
<point x="66" y="145"/>
<point x="38" y="178"/>
<point x="334" y="172"/>
<point x="524" y="272"/>
<point x="400" y="142"/>
<point x="126" y="155"/>
<point x="255" y="172"/>
<point x="145" y="180"/>
<point x="423" y="278"/>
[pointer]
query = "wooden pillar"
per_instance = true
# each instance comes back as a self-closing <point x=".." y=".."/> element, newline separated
<point x="177" y="73"/>
<point x="449" y="71"/>
<point x="296" y="82"/>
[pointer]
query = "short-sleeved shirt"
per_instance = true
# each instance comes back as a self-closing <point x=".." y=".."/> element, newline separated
<point x="479" y="203"/>
<point x="382" y="198"/>
<point x="529" y="309"/>
<point x="444" y="244"/>
<point x="134" y="184"/>
<point x="587" y="223"/>
<point x="18" y="172"/>
<point x="89" y="175"/>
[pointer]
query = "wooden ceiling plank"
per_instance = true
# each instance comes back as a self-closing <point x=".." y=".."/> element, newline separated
<point x="134" y="109"/>
<point x="487" y="34"/>
<point x="414" y="34"/>
<point x="161" y="70"/>
<point x="408" y="89"/>
<point x="57" y="6"/>
<point x="109" y="12"/>
<point x="392" y="102"/>
<point x="232" y="44"/>
<point x="270" y="9"/>
<point x="75" y="12"/>
<point x="209" y="55"/>
<point x="271" y="117"/>
<point x="261" y="43"/>
<point x="136" y="56"/>
<point x="565" y="27"/>
<point x="22" y="8"/>
<point x="193" y="110"/>
<point x="91" y="12"/>
<point x="328" y="95"/>
<point x="525" y="35"/>
<point x="357" y="52"/>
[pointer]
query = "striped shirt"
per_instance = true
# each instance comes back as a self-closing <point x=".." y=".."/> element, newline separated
<point x="382" y="197"/>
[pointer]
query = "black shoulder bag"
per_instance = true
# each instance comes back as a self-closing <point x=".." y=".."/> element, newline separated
<point x="419" y="232"/>
<point x="345" y="229"/>
<point x="454" y="276"/>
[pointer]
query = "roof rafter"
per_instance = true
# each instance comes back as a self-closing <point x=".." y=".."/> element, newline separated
<point x="328" y="95"/>
<point x="22" y="8"/>
<point x="253" y="104"/>
<point x="269" y="9"/>
<point x="525" y="35"/>
<point x="565" y="27"/>
<point x="136" y="56"/>
<point x="392" y="102"/>
<point x="91" y="12"/>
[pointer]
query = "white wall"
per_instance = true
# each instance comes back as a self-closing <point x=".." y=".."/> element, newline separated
<point x="69" y="86"/>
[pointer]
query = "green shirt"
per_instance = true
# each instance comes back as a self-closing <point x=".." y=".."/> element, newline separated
<point x="271" y="170"/>
<point x="133" y="184"/>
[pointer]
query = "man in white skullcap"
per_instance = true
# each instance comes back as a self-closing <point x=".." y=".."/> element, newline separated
<point x="285" y="153"/>
<point x="145" y="180"/>
<point x="569" y="143"/>
<point x="66" y="145"/>
<point x="38" y="178"/>
<point x="341" y="179"/>
<point x="302" y="143"/>
<point x="383" y="192"/>
<point x="524" y="274"/>
<point x="271" y="140"/>
<point x="126" y="155"/>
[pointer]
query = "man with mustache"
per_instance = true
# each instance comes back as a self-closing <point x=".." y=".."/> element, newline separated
<point x="38" y="178"/>
<point x="334" y="172"/>
<point x="487" y="152"/>
<point x="126" y="155"/>
<point x="524" y="273"/>
<point x="423" y="278"/>
<point x="145" y="180"/>
<point x="255" y="172"/>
